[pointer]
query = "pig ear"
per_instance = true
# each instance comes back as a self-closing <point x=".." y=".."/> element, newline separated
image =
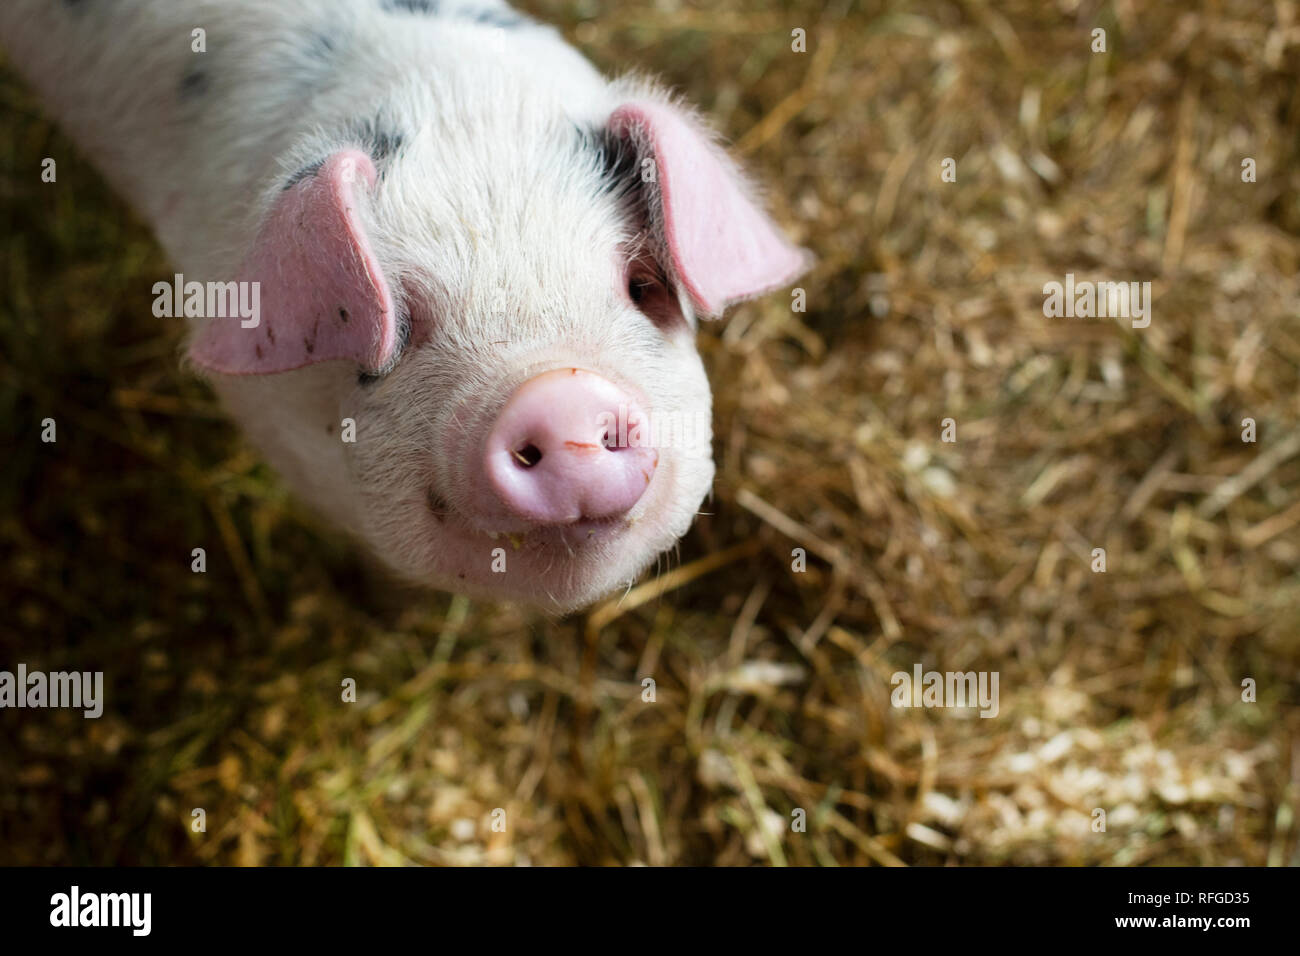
<point x="322" y="294"/>
<point x="721" y="244"/>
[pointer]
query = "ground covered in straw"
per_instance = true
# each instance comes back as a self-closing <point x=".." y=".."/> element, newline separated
<point x="1119" y="691"/>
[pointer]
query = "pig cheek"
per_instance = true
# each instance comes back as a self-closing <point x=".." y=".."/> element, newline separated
<point x="406" y="502"/>
<point x="391" y="480"/>
<point x="690" y="470"/>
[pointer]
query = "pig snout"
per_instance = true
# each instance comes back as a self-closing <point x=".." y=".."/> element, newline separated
<point x="558" y="452"/>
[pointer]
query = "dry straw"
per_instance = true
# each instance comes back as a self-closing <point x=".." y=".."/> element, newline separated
<point x="1119" y="691"/>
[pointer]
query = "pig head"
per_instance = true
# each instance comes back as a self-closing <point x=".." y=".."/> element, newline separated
<point x="507" y="318"/>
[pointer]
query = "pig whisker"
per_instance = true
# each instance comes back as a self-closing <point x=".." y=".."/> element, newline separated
<point x="626" y="591"/>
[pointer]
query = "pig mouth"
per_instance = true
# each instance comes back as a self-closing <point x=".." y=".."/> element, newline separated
<point x="581" y="531"/>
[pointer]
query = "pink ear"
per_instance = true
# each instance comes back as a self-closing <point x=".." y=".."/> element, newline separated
<point x="723" y="247"/>
<point x="322" y="294"/>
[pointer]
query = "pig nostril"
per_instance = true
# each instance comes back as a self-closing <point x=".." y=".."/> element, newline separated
<point x="527" y="455"/>
<point x="609" y="441"/>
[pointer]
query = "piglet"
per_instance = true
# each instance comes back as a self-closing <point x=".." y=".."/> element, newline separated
<point x="445" y="275"/>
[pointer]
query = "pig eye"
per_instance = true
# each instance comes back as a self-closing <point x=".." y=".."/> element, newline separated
<point x="640" y="287"/>
<point x="650" y="293"/>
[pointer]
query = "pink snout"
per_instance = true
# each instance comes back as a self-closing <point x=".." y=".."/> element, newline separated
<point x="554" y="455"/>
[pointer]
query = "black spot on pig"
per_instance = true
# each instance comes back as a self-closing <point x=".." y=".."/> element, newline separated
<point x="194" y="84"/>
<point x="504" y="19"/>
<point x="306" y="172"/>
<point x="437" y="507"/>
<point x="385" y="145"/>
<point x="429" y="7"/>
<point x="309" y="342"/>
<point x="377" y="138"/>
<point x="616" y="158"/>
<point x="322" y="45"/>
<point x="343" y="315"/>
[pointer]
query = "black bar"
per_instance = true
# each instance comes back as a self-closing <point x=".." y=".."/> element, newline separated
<point x="330" y="906"/>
